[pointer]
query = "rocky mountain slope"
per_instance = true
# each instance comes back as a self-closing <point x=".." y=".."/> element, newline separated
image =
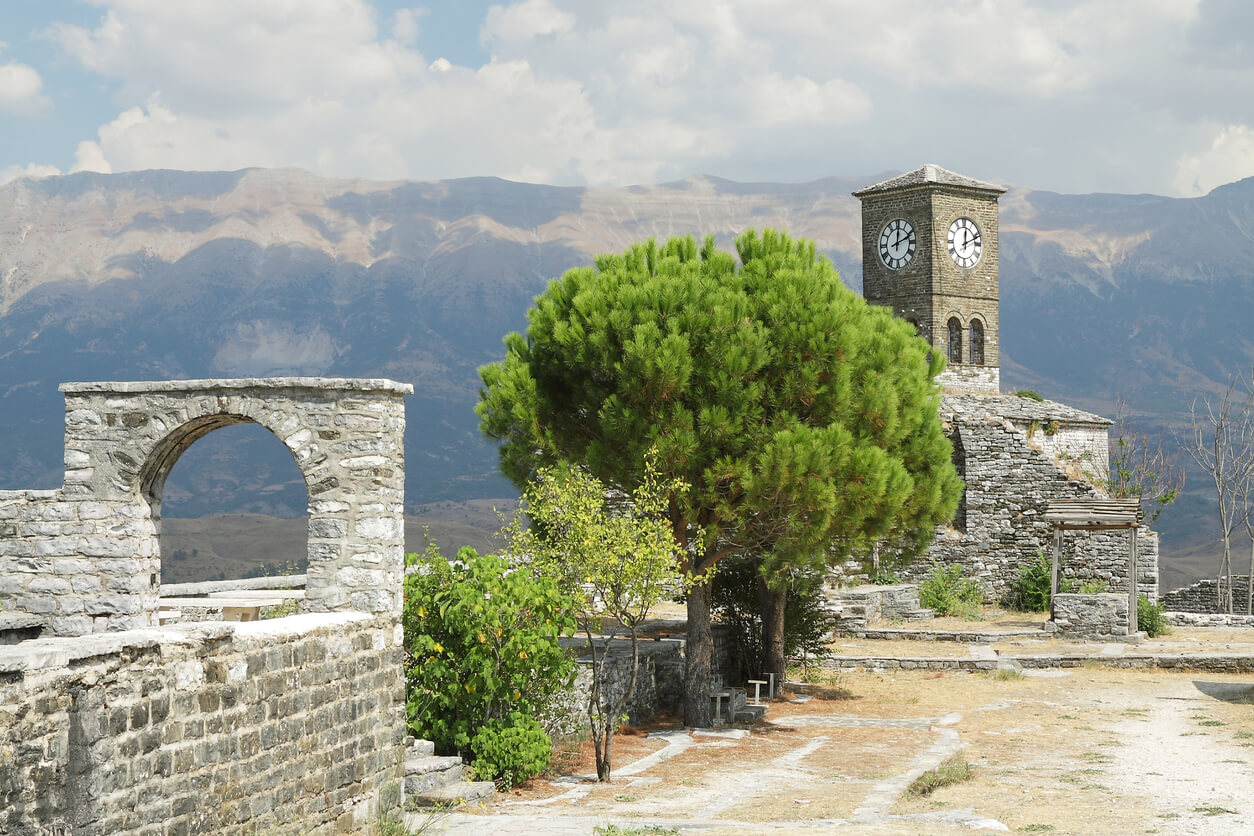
<point x="162" y="274"/>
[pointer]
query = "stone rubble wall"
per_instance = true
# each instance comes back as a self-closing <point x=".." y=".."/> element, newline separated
<point x="86" y="557"/>
<point x="1100" y="616"/>
<point x="1010" y="482"/>
<point x="294" y="725"/>
<point x="1203" y="596"/>
<point x="853" y="608"/>
<point x="1083" y="452"/>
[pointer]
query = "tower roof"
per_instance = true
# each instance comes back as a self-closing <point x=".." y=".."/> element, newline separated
<point x="930" y="174"/>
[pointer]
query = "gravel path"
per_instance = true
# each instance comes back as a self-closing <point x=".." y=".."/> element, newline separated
<point x="1178" y="764"/>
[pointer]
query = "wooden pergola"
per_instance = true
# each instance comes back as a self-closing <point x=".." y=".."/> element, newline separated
<point x="1090" y="514"/>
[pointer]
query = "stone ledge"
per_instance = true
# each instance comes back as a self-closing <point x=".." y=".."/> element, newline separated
<point x="351" y="384"/>
<point x="191" y="590"/>
<point x="58" y="652"/>
<point x="1215" y="662"/>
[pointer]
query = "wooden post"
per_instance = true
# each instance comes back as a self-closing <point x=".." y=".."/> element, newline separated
<point x="1132" y="596"/>
<point x="1057" y="557"/>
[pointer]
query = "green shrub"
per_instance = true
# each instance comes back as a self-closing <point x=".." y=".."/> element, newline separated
<point x="1150" y="617"/>
<point x="885" y="577"/>
<point x="481" y="641"/>
<point x="1029" y="394"/>
<point x="1030" y="591"/>
<point x="947" y="591"/>
<point x="511" y="750"/>
<point x="953" y="771"/>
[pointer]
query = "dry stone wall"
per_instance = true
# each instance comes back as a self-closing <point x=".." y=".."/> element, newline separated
<point x="288" y="726"/>
<point x="1203" y="596"/>
<point x="86" y="557"/>
<point x="1001" y="526"/>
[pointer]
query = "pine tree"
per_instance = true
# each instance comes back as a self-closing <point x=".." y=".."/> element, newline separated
<point x="804" y="421"/>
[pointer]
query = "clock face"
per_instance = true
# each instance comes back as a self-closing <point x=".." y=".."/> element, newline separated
<point x="966" y="245"/>
<point x="897" y="244"/>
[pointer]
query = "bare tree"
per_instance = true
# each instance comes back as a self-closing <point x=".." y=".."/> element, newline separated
<point x="1220" y="432"/>
<point x="1142" y="467"/>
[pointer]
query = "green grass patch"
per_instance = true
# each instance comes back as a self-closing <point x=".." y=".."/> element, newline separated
<point x="953" y="771"/>
<point x="1214" y="810"/>
<point x="641" y="830"/>
<point x="1035" y="828"/>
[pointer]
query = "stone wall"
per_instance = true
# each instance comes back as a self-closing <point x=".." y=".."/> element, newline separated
<point x="659" y="680"/>
<point x="293" y="725"/>
<point x="965" y="379"/>
<point x="1001" y="527"/>
<point x="86" y="557"/>
<point x="1100" y="617"/>
<point x="1203" y="596"/>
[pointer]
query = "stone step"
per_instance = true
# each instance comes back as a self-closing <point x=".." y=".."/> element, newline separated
<point x="451" y="796"/>
<point x="428" y="773"/>
<point x="418" y="748"/>
<point x="917" y="615"/>
<point x="751" y="713"/>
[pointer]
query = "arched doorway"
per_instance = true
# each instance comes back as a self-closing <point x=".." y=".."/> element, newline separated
<point x="346" y="437"/>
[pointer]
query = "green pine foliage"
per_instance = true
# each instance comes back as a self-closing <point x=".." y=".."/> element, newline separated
<point x="481" y="644"/>
<point x="948" y="592"/>
<point x="803" y="420"/>
<point x="510" y="750"/>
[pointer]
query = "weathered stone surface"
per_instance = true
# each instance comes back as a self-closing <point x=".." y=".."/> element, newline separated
<point x="1100" y="617"/>
<point x="122" y="440"/>
<point x="204" y="729"/>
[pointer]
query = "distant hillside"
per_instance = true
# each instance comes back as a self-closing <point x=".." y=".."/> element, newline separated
<point x="165" y="274"/>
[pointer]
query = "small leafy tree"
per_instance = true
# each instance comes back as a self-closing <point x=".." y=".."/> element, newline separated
<point x="618" y="551"/>
<point x="481" y="642"/>
<point x="1142" y="468"/>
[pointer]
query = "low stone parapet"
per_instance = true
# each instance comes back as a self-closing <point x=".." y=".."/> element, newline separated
<point x="1101" y="616"/>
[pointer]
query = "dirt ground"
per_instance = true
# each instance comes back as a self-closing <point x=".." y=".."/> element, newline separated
<point x="1087" y="750"/>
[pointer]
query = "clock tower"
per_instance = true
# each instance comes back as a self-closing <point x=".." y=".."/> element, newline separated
<point x="929" y="252"/>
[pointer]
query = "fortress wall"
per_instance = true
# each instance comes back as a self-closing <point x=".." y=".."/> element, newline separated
<point x="1009" y="484"/>
<point x="292" y="725"/>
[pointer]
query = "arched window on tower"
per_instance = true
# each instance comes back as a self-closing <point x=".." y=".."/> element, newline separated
<point x="977" y="343"/>
<point x="955" y="340"/>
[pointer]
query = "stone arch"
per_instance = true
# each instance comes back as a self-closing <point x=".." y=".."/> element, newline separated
<point x="346" y="437"/>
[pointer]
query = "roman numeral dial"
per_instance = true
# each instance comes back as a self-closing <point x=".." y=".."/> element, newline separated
<point x="897" y="244"/>
<point x="966" y="244"/>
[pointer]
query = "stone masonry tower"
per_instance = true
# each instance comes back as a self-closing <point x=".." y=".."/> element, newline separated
<point x="929" y="252"/>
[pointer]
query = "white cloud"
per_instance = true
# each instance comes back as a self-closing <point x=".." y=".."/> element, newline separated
<point x="13" y="172"/>
<point x="89" y="156"/>
<point x="1230" y="157"/>
<point x="525" y="21"/>
<point x="405" y="25"/>
<point x="1084" y="93"/>
<point x="21" y="89"/>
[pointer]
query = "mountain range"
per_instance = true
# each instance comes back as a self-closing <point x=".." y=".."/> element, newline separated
<point x="172" y="274"/>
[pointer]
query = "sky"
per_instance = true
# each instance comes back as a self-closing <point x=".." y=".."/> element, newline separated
<point x="1064" y="95"/>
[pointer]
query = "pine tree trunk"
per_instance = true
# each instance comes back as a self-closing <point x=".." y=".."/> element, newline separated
<point x="771" y="602"/>
<point x="698" y="659"/>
